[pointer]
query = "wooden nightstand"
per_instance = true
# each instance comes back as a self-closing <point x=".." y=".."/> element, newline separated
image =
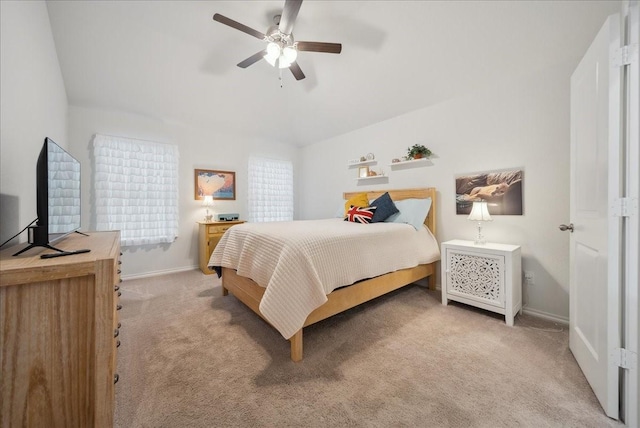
<point x="208" y="237"/>
<point x="486" y="276"/>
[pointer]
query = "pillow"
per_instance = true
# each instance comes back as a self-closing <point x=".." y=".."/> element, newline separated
<point x="412" y="211"/>
<point x="359" y="200"/>
<point x="362" y="215"/>
<point x="340" y="210"/>
<point x="384" y="208"/>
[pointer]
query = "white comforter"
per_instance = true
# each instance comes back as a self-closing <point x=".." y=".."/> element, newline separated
<point x="300" y="262"/>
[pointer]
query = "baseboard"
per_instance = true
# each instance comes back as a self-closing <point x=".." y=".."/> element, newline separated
<point x="159" y="272"/>
<point x="545" y="315"/>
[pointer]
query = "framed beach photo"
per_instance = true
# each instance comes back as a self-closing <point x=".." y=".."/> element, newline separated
<point x="363" y="172"/>
<point x="218" y="184"/>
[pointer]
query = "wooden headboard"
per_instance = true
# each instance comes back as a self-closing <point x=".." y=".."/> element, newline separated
<point x="398" y="195"/>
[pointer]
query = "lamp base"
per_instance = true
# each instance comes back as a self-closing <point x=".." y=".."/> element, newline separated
<point x="479" y="239"/>
<point x="208" y="218"/>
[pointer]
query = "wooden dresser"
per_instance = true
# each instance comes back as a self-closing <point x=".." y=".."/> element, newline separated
<point x="59" y="323"/>
<point x="208" y="237"/>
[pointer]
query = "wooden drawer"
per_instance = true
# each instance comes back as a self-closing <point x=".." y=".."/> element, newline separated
<point x="218" y="229"/>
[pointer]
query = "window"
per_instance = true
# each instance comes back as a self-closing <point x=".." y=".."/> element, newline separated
<point x="270" y="190"/>
<point x="136" y="192"/>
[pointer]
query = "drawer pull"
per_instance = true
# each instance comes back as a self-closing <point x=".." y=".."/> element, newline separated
<point x="119" y="324"/>
<point x="117" y="343"/>
<point x="116" y="287"/>
<point x="119" y="293"/>
<point x="118" y="307"/>
<point x="116" y="332"/>
<point x="120" y="280"/>
<point x="119" y="262"/>
<point x="119" y="271"/>
<point x="116" y="378"/>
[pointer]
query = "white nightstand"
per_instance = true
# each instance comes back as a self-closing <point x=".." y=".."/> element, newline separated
<point x="486" y="276"/>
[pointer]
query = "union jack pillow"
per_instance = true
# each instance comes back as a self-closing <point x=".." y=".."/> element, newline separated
<point x="362" y="215"/>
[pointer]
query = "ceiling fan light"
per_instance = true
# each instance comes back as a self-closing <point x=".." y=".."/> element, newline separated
<point x="273" y="50"/>
<point x="284" y="62"/>
<point x="271" y="59"/>
<point x="290" y="53"/>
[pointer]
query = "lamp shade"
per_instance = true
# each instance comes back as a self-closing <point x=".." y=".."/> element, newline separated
<point x="207" y="201"/>
<point x="290" y="53"/>
<point x="273" y="53"/>
<point x="480" y="211"/>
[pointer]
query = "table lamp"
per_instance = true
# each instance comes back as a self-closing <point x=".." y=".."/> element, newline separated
<point x="480" y="213"/>
<point x="208" y="202"/>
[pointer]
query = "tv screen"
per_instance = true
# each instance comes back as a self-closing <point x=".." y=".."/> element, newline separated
<point x="63" y="192"/>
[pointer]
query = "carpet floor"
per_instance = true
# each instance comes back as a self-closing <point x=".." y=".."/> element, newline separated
<point x="193" y="358"/>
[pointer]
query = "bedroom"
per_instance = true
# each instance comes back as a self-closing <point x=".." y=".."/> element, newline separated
<point x="484" y="104"/>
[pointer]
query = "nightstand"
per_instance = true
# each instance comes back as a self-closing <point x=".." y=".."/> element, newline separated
<point x="486" y="276"/>
<point x="208" y="237"/>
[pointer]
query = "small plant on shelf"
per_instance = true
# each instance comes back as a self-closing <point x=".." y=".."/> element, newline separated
<point x="418" y="151"/>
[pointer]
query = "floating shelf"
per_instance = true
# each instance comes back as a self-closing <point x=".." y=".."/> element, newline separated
<point x="363" y="163"/>
<point x="372" y="178"/>
<point x="412" y="161"/>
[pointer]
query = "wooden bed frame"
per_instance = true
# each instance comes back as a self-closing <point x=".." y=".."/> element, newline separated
<point x="250" y="293"/>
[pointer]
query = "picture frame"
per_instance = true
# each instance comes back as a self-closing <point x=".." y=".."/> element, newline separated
<point x="218" y="184"/>
<point x="363" y="172"/>
<point x="501" y="189"/>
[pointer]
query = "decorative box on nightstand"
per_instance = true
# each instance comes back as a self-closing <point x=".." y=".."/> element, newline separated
<point x="487" y="276"/>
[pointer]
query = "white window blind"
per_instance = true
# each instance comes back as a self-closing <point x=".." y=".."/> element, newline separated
<point x="136" y="192"/>
<point x="270" y="190"/>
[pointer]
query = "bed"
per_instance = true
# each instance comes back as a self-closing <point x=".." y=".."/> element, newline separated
<point x="248" y="251"/>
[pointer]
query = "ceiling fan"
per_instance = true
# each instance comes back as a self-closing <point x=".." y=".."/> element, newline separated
<point x="282" y="50"/>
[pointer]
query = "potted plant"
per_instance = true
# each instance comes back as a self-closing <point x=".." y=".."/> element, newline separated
<point x="418" y="151"/>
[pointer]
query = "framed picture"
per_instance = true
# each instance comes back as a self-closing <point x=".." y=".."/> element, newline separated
<point x="501" y="189"/>
<point x="218" y="184"/>
<point x="363" y="172"/>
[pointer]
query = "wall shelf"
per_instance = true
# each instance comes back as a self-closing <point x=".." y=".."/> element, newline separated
<point x="363" y="163"/>
<point x="412" y="162"/>
<point x="372" y="178"/>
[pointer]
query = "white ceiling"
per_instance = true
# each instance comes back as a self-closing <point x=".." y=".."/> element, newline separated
<point x="170" y="61"/>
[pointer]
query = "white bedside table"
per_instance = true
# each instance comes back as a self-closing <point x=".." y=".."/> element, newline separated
<point x="486" y="276"/>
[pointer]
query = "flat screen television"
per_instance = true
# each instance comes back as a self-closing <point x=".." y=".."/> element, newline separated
<point x="57" y="196"/>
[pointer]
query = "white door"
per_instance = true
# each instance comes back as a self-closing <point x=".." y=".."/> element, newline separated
<point x="594" y="311"/>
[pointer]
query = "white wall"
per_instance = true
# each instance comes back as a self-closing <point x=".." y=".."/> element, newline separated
<point x="33" y="105"/>
<point x="199" y="148"/>
<point x="521" y="124"/>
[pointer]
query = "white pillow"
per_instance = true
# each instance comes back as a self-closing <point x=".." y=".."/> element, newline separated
<point x="340" y="211"/>
<point x="412" y="211"/>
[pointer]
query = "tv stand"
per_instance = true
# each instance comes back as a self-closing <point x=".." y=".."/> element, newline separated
<point x="38" y="245"/>
<point x="38" y="238"/>
<point x="60" y="335"/>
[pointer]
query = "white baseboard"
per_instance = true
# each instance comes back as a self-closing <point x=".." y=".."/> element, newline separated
<point x="545" y="315"/>
<point x="159" y="272"/>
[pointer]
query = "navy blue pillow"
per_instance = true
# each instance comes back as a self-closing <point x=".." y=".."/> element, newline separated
<point x="385" y="208"/>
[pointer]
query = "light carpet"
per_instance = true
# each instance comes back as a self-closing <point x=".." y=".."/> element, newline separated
<point x="193" y="358"/>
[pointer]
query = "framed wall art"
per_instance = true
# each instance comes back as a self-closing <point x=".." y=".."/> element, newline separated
<point x="218" y="184"/>
<point x="501" y="189"/>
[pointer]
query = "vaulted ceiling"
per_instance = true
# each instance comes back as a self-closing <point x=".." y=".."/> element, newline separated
<point x="170" y="61"/>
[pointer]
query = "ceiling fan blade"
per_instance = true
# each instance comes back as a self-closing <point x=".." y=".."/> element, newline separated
<point x="334" y="48"/>
<point x="289" y="14"/>
<point x="252" y="59"/>
<point x="297" y="71"/>
<point x="238" y="26"/>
